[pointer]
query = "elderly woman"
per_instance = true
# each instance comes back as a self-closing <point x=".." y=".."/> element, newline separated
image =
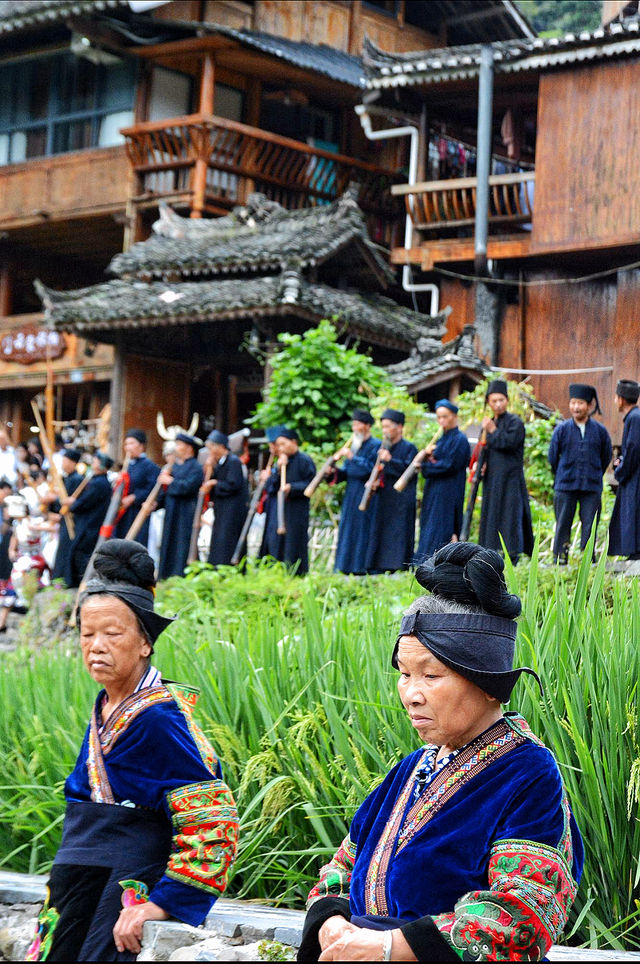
<point x="468" y="849"/>
<point x="150" y="829"/>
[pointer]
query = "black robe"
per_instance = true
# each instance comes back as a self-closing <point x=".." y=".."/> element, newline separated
<point x="88" y="515"/>
<point x="292" y="548"/>
<point x="624" y="528"/>
<point x="505" y="501"/>
<point x="179" y="501"/>
<point x="142" y="474"/>
<point x="230" y="497"/>
<point x="445" y="474"/>
<point x="62" y="564"/>
<point x="391" y="541"/>
<point x="356" y="526"/>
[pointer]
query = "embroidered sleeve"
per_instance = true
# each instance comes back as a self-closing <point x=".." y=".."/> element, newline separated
<point x="205" y="835"/>
<point x="531" y="890"/>
<point x="335" y="877"/>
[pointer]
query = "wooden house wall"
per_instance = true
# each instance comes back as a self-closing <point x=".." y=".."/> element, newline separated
<point x="150" y="388"/>
<point x="587" y="152"/>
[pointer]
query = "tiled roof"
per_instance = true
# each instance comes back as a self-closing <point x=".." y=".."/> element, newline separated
<point x="510" y="56"/>
<point x="260" y="237"/>
<point x="119" y="305"/>
<point x="318" y="57"/>
<point x="21" y="14"/>
<point x="428" y="359"/>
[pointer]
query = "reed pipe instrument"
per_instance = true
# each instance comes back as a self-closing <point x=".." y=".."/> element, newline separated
<point x="480" y="453"/>
<point x="372" y="482"/>
<point x="282" y="495"/>
<point x="195" y="528"/>
<point x="408" y="474"/>
<point x="56" y="478"/>
<point x="146" y="508"/>
<point x="326" y="468"/>
<point x="255" y="501"/>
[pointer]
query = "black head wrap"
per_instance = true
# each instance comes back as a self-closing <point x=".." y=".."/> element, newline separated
<point x="105" y="460"/>
<point x="124" y="569"/>
<point x="362" y="415"/>
<point x="585" y="392"/>
<point x="478" y="646"/>
<point x="74" y="455"/>
<point x="289" y="433"/>
<point x="394" y="415"/>
<point x="218" y="438"/>
<point x="138" y="434"/>
<point x="628" y="389"/>
<point x="497" y="387"/>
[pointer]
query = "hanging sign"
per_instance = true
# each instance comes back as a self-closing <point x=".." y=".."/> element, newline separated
<point x="31" y="344"/>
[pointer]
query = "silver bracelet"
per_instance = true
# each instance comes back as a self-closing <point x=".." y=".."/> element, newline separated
<point x="387" y="944"/>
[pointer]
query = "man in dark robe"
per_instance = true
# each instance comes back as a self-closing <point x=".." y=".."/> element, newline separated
<point x="355" y="525"/>
<point x="392" y="537"/>
<point x="444" y="469"/>
<point x="229" y="494"/>
<point x="291" y="548"/>
<point x="579" y="454"/>
<point x="89" y="510"/>
<point x="71" y="479"/>
<point x="142" y="474"/>
<point x="505" y="501"/>
<point x="269" y="545"/>
<point x="179" y="499"/>
<point x="624" y="528"/>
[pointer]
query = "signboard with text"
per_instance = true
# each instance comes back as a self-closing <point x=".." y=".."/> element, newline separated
<point x="31" y="344"/>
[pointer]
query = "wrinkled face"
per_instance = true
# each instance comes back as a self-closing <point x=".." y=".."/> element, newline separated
<point x="114" y="648"/>
<point x="392" y="430"/>
<point x="579" y="409"/>
<point x="446" y="418"/>
<point x="286" y="446"/>
<point x="445" y="708"/>
<point x="497" y="402"/>
<point x="133" y="448"/>
<point x="362" y="429"/>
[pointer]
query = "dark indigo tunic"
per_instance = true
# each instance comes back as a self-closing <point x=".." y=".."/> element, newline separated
<point x="355" y="526"/>
<point x="88" y="515"/>
<point x="624" y="529"/>
<point x="392" y="538"/>
<point x="180" y="505"/>
<point x="230" y="497"/>
<point x="490" y="844"/>
<point x="578" y="463"/>
<point x="505" y="501"/>
<point x="443" y="497"/>
<point x="62" y="564"/>
<point x="293" y="547"/>
<point x="142" y="475"/>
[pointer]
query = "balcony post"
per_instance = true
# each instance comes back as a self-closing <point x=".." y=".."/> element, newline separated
<point x="485" y="107"/>
<point x="206" y="107"/>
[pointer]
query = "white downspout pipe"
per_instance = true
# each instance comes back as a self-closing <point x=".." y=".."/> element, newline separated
<point x="410" y="130"/>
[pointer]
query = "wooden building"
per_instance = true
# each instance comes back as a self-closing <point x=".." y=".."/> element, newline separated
<point x="564" y="200"/>
<point x="122" y="103"/>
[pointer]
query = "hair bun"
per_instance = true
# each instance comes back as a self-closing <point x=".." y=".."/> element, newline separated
<point x="123" y="560"/>
<point x="467" y="573"/>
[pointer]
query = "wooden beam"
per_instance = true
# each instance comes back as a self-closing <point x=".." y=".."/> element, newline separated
<point x="462" y="249"/>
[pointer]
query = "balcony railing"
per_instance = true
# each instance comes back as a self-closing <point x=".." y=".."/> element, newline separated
<point x="437" y="205"/>
<point x="211" y="164"/>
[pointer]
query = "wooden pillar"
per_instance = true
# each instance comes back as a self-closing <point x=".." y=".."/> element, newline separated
<point x="355" y="28"/>
<point x="522" y="313"/>
<point x="232" y="409"/>
<point x="116" y="399"/>
<point x="254" y="100"/>
<point x="6" y="286"/>
<point x="205" y="107"/>
<point x="454" y="388"/>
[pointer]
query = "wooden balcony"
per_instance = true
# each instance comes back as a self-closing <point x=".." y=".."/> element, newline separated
<point x="209" y="164"/>
<point x="442" y="205"/>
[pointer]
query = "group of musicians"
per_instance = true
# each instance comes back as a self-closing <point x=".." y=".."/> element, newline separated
<point x="377" y="523"/>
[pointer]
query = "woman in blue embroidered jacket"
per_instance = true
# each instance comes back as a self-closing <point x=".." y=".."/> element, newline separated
<point x="150" y="829"/>
<point x="468" y="849"/>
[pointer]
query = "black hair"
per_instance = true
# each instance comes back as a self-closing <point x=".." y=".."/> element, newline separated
<point x="469" y="574"/>
<point x="125" y="561"/>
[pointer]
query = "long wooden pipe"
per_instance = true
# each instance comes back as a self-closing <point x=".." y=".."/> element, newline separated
<point x="56" y="478"/>
<point x="408" y="474"/>
<point x="146" y="508"/>
<point x="195" y="528"/>
<point x="282" y="495"/>
<point x="328" y="465"/>
<point x="257" y="495"/>
<point x="372" y="482"/>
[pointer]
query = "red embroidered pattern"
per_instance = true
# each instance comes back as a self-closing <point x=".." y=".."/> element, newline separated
<point x="186" y="697"/>
<point x="335" y="877"/>
<point x="205" y="823"/>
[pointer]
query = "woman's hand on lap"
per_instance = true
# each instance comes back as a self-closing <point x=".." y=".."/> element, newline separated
<point x="127" y="933"/>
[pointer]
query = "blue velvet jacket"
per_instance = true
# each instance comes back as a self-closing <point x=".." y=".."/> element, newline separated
<point x="487" y="857"/>
<point x="578" y="463"/>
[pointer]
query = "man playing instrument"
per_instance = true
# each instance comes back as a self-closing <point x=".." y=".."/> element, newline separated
<point x="89" y="510"/>
<point x="579" y="454"/>
<point x="355" y="526"/>
<point x="179" y="497"/>
<point x="292" y="546"/>
<point x="444" y="471"/>
<point x="392" y="537"/>
<point x="505" y="501"/>
<point x="624" y="528"/>
<point x="142" y="474"/>
<point x="227" y="489"/>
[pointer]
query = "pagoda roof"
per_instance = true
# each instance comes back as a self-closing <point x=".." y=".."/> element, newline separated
<point x="257" y="238"/>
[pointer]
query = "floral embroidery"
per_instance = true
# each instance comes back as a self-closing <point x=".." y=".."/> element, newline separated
<point x="335" y="877"/>
<point x="205" y="823"/>
<point x="46" y="925"/>
<point x="186" y="697"/>
<point x="133" y="892"/>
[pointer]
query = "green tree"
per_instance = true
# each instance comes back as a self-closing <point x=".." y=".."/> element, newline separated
<point x="552" y="18"/>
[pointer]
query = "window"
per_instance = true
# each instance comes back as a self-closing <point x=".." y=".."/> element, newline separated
<point x="63" y="103"/>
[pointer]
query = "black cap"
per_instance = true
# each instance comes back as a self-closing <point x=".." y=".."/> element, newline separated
<point x="586" y="393"/>
<point x="74" y="455"/>
<point x="393" y="415"/>
<point x="628" y="389"/>
<point x="289" y="433"/>
<point x="497" y="387"/>
<point x="191" y="440"/>
<point x="218" y="438"/>
<point x="362" y="415"/>
<point x="104" y="459"/>
<point x="137" y="434"/>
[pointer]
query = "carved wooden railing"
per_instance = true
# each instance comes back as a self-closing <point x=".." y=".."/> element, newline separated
<point x="435" y="205"/>
<point x="211" y="164"/>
